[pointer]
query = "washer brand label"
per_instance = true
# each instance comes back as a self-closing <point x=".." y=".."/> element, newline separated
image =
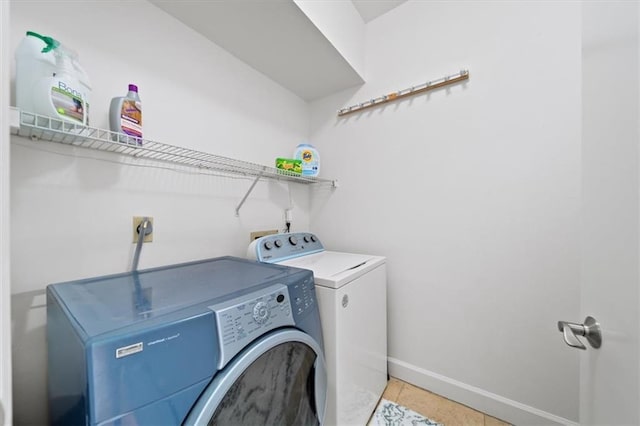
<point x="129" y="350"/>
<point x="164" y="339"/>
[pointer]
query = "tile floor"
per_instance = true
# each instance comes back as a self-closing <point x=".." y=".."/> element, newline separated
<point x="436" y="407"/>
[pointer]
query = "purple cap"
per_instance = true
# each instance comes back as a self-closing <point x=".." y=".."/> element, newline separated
<point x="133" y="88"/>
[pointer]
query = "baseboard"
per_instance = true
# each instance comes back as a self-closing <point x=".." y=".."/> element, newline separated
<point x="495" y="405"/>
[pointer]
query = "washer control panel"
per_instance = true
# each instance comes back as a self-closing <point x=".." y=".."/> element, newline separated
<point x="242" y="319"/>
<point x="279" y="247"/>
<point x="303" y="296"/>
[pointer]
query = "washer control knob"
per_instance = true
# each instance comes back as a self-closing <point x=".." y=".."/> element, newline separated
<point x="306" y="239"/>
<point x="293" y="240"/>
<point x="278" y="243"/>
<point x="313" y="238"/>
<point x="261" y="312"/>
<point x="268" y="245"/>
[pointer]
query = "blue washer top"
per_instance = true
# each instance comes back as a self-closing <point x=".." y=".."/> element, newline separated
<point x="105" y="304"/>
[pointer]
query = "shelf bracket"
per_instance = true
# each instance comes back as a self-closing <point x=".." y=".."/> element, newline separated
<point x="255" y="181"/>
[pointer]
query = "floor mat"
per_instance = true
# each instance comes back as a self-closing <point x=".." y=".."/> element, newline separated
<point x="391" y="414"/>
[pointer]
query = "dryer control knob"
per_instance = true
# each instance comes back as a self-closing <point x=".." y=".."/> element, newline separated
<point x="278" y="243"/>
<point x="293" y="240"/>
<point x="261" y="312"/>
<point x="268" y="245"/>
<point x="306" y="239"/>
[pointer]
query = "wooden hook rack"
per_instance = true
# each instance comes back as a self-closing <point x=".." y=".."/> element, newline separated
<point x="413" y="90"/>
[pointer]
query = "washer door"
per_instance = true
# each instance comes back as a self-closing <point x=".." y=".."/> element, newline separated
<point x="279" y="379"/>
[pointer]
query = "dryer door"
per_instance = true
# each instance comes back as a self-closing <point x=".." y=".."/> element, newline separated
<point x="278" y="379"/>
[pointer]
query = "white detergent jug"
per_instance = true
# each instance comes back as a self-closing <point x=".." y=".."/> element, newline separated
<point x="50" y="80"/>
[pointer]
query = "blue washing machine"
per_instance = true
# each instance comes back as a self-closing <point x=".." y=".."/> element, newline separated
<point x="222" y="341"/>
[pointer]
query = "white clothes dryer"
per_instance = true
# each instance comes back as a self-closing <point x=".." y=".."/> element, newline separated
<point x="352" y="297"/>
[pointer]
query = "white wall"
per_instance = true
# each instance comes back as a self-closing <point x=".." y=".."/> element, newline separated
<point x="71" y="209"/>
<point x="5" y="294"/>
<point x="472" y="192"/>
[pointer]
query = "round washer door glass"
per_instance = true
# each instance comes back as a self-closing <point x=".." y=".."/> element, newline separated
<point x="277" y="381"/>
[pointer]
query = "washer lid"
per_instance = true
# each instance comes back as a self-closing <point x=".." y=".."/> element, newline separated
<point x="105" y="304"/>
<point x="335" y="269"/>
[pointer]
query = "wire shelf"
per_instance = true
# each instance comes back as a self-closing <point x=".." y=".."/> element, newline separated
<point x="39" y="127"/>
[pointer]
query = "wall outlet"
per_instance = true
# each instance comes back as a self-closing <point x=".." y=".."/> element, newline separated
<point x="257" y="234"/>
<point x="137" y="221"/>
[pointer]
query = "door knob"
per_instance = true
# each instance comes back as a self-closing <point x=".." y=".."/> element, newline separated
<point x="590" y="330"/>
